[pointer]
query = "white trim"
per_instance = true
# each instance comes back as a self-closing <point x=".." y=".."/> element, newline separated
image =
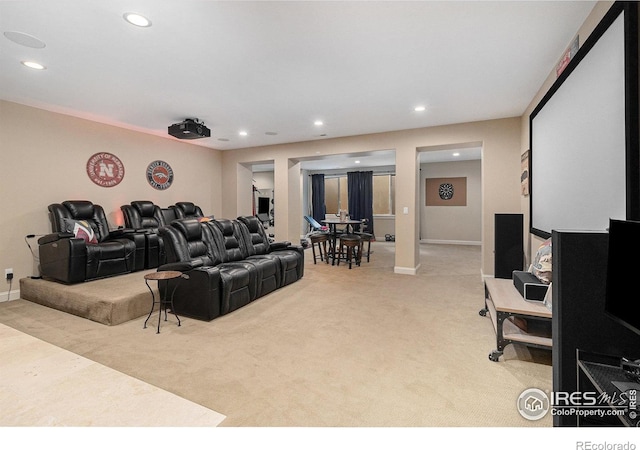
<point x="406" y="270"/>
<point x="438" y="241"/>
<point x="15" y="295"/>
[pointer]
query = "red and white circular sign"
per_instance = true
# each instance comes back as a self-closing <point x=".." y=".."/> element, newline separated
<point x="105" y="169"/>
<point x="159" y="175"/>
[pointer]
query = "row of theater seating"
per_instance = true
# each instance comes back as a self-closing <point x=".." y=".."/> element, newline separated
<point x="147" y="217"/>
<point x="81" y="246"/>
<point x="227" y="263"/>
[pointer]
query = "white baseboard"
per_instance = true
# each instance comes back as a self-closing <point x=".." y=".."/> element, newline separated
<point x="406" y="270"/>
<point x="6" y="296"/>
<point x="437" y="241"/>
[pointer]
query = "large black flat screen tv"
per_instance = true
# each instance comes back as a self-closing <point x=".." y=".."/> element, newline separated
<point x="584" y="133"/>
<point x="623" y="268"/>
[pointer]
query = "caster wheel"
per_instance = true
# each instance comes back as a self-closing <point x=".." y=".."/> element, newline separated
<point x="483" y="312"/>
<point x="495" y="356"/>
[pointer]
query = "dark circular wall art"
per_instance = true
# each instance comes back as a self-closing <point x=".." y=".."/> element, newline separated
<point x="160" y="175"/>
<point x="105" y="169"/>
<point x="445" y="191"/>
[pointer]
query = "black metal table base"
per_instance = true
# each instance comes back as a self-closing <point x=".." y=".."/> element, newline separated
<point x="161" y="302"/>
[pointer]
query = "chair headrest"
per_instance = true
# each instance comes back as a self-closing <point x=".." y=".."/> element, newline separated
<point x="190" y="228"/>
<point x="225" y="225"/>
<point x="253" y="223"/>
<point x="189" y="208"/>
<point x="145" y="208"/>
<point x="80" y="209"/>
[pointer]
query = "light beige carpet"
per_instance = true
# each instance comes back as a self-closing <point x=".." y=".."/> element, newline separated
<point x="46" y="386"/>
<point x="340" y="348"/>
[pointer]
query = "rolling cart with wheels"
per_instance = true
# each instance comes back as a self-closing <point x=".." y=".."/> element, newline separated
<point x="503" y="302"/>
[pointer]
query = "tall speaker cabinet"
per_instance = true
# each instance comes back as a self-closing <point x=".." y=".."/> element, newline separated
<point x="509" y="244"/>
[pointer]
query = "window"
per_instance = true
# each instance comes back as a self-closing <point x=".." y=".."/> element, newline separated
<point x="336" y="196"/>
<point x="384" y="191"/>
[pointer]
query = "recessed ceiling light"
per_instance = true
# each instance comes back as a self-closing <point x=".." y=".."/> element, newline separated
<point x="456" y="154"/>
<point x="271" y="133"/>
<point x="223" y="139"/>
<point x="318" y="123"/>
<point x="357" y="161"/>
<point x="33" y="65"/>
<point x="243" y="133"/>
<point x="419" y="108"/>
<point x="137" y="19"/>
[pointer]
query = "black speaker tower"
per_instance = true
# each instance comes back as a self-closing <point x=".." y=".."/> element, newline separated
<point x="509" y="245"/>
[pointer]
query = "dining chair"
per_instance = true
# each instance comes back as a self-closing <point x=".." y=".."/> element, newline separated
<point x="366" y="236"/>
<point x="351" y="247"/>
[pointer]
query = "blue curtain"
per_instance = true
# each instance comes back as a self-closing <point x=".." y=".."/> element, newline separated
<point x="360" y="191"/>
<point x="318" y="207"/>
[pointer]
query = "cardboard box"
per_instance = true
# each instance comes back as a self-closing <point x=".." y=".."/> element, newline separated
<point x="529" y="286"/>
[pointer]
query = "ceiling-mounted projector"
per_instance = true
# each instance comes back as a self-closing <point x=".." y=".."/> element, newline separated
<point x="189" y="129"/>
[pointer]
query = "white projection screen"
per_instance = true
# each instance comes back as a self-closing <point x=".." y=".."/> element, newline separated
<point x="580" y="136"/>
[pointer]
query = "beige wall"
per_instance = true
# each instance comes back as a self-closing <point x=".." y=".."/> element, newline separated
<point x="598" y="12"/>
<point x="44" y="158"/>
<point x="453" y="224"/>
<point x="500" y="140"/>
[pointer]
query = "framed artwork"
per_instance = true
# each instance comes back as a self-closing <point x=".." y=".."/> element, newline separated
<point x="446" y="191"/>
<point x="524" y="173"/>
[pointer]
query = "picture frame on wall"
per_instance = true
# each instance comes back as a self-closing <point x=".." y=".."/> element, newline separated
<point x="450" y="191"/>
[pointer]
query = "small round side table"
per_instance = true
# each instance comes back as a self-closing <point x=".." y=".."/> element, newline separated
<point x="162" y="276"/>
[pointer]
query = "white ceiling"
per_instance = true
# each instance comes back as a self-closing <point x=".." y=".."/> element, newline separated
<point x="276" y="67"/>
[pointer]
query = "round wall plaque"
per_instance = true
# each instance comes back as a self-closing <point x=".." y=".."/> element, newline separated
<point x="105" y="169"/>
<point x="159" y="175"/>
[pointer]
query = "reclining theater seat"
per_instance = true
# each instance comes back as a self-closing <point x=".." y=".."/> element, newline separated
<point x="97" y="254"/>
<point x="145" y="217"/>
<point x="187" y="210"/>
<point x="214" y="285"/>
<point x="291" y="257"/>
<point x="229" y="233"/>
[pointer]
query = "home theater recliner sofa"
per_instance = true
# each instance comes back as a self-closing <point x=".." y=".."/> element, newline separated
<point x="227" y="264"/>
<point x="81" y="247"/>
<point x="101" y="253"/>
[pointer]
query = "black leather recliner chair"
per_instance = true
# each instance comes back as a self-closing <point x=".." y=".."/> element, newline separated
<point x="234" y="244"/>
<point x="187" y="210"/>
<point x="70" y="259"/>
<point x="290" y="257"/>
<point x="146" y="218"/>
<point x="217" y="282"/>
<point x="223" y="268"/>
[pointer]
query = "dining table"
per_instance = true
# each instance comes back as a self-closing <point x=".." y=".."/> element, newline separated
<point x="332" y="224"/>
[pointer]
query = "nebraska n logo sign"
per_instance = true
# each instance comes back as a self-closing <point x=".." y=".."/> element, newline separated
<point x="105" y="169"/>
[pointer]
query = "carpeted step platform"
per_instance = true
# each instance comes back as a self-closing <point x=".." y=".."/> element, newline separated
<point x="110" y="301"/>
